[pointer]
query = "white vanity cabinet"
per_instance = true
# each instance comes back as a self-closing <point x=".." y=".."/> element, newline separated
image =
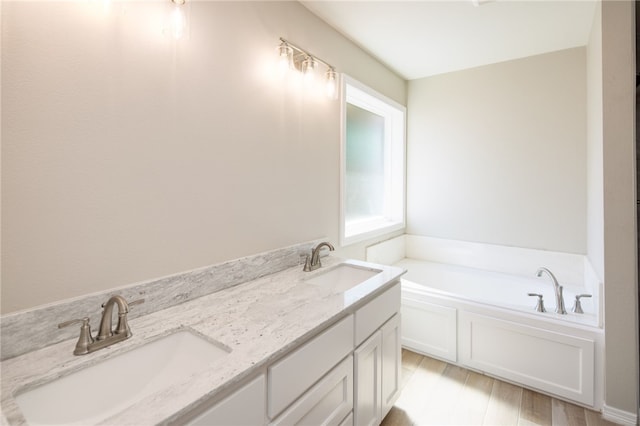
<point x="326" y="380"/>
<point x="377" y="361"/>
<point x="244" y="407"/>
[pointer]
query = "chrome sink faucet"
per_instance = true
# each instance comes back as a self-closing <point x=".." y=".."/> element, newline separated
<point x="313" y="262"/>
<point x="106" y="335"/>
<point x="557" y="288"/>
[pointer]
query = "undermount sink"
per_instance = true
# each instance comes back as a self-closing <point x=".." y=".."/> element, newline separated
<point x="343" y="276"/>
<point x="97" y="392"/>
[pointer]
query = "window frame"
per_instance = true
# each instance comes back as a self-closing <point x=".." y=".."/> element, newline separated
<point x="395" y="114"/>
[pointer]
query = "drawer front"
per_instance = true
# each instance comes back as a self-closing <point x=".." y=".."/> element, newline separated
<point x="245" y="407"/>
<point x="327" y="403"/>
<point x="293" y="375"/>
<point x="371" y="316"/>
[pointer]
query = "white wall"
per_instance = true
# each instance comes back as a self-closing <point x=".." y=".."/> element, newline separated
<point x="496" y="154"/>
<point x="127" y="156"/>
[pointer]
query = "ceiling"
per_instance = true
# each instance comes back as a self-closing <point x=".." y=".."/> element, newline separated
<point x="422" y="38"/>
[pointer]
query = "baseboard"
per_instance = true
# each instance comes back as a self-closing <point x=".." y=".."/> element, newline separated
<point x="619" y="416"/>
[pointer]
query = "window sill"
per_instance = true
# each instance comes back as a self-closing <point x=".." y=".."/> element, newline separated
<point x="361" y="231"/>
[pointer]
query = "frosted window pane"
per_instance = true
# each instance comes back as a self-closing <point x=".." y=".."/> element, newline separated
<point x="365" y="185"/>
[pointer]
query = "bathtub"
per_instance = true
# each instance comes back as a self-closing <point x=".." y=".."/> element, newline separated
<point x="468" y="304"/>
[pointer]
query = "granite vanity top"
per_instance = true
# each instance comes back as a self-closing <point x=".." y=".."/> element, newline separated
<point x="259" y="321"/>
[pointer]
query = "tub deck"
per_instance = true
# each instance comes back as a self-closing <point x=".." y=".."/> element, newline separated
<point x="496" y="289"/>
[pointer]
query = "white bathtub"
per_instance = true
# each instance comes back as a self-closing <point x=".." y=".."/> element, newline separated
<point x="455" y="309"/>
<point x="496" y="289"/>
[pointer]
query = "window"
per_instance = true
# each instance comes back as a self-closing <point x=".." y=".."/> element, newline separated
<point x="373" y="164"/>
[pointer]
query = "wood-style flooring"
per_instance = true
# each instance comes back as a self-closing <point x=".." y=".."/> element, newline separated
<point x="437" y="393"/>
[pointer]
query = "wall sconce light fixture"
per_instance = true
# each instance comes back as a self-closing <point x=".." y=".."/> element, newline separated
<point x="291" y="57"/>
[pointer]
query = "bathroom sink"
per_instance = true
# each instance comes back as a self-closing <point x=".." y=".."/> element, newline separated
<point x="343" y="276"/>
<point x="99" y="391"/>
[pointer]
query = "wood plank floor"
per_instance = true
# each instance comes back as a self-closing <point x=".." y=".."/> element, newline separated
<point x="437" y="393"/>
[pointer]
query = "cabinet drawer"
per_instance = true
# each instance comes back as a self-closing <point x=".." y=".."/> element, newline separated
<point x="327" y="403"/>
<point x="375" y="313"/>
<point x="293" y="375"/>
<point x="244" y="407"/>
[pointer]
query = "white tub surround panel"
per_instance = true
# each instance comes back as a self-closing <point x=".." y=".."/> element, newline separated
<point x="439" y="337"/>
<point x="552" y="362"/>
<point x="387" y="252"/>
<point x="31" y="329"/>
<point x="569" y="268"/>
<point x="260" y="321"/>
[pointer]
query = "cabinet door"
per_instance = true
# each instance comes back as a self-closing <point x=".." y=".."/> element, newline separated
<point x="391" y="363"/>
<point x="368" y="374"/>
<point x="244" y="407"/>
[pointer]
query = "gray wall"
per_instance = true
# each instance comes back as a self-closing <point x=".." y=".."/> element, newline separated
<point x="619" y="207"/>
<point x="128" y="156"/>
<point x="595" y="161"/>
<point x="497" y="154"/>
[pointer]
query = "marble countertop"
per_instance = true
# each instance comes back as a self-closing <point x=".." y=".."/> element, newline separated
<point x="259" y="320"/>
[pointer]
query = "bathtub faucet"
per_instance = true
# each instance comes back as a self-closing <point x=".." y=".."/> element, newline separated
<point x="557" y="288"/>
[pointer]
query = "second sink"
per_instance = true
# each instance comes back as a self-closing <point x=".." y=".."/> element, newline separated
<point x="343" y="276"/>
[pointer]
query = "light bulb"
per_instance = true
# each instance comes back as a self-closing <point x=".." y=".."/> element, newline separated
<point x="308" y="69"/>
<point x="178" y="20"/>
<point x="285" y="54"/>
<point x="331" y="84"/>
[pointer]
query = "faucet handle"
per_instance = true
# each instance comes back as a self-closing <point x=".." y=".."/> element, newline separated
<point x="136" y="302"/>
<point x="540" y="303"/>
<point x="85" y="339"/>
<point x="577" y="306"/>
<point x="84" y="321"/>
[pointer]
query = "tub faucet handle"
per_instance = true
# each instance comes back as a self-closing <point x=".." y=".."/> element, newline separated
<point x="540" y="303"/>
<point x="577" y="306"/>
